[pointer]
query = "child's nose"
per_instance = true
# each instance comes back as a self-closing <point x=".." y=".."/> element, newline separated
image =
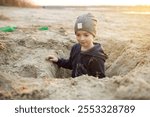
<point x="82" y="38"/>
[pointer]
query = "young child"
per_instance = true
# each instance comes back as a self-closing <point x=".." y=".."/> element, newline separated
<point x="86" y="57"/>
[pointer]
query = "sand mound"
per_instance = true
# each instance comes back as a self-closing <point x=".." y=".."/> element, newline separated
<point x="133" y="55"/>
<point x="14" y="87"/>
<point x="3" y="17"/>
<point x="25" y="74"/>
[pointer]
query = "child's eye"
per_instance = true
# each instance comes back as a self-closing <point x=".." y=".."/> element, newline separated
<point x="86" y="35"/>
<point x="78" y="35"/>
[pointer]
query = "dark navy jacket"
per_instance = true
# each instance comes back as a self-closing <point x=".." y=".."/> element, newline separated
<point x="90" y="62"/>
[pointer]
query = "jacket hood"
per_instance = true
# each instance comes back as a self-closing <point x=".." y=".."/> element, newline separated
<point x="96" y="51"/>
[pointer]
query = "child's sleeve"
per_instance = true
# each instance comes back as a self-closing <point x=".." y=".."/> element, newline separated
<point x="66" y="63"/>
<point x="96" y="67"/>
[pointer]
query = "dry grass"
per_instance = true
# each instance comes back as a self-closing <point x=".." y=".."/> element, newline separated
<point x="18" y="3"/>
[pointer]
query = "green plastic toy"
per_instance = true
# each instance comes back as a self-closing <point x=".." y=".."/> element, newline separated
<point x="8" y="28"/>
<point x="43" y="28"/>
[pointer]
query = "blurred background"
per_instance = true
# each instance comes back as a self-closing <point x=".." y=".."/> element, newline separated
<point x="19" y="3"/>
<point x="31" y="3"/>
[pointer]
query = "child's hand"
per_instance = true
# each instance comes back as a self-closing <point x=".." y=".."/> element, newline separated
<point x="52" y="58"/>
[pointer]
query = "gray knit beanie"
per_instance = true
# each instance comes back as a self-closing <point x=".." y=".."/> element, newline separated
<point x="86" y="22"/>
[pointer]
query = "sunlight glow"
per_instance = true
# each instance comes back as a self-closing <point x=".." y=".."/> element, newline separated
<point x="92" y="2"/>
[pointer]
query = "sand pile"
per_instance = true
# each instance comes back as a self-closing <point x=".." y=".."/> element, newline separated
<point x="24" y="73"/>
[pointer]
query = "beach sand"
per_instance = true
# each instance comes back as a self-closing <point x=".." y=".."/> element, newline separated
<point x="24" y="73"/>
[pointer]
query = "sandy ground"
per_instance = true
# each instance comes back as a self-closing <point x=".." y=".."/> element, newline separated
<point x="24" y="73"/>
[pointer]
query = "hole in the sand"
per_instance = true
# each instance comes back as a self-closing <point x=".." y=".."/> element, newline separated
<point x="63" y="73"/>
<point x="38" y="69"/>
<point x="29" y="52"/>
<point x="116" y="57"/>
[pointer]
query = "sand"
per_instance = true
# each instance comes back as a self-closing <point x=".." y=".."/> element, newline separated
<point x="24" y="73"/>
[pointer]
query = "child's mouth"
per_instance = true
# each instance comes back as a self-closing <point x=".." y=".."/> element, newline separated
<point x="82" y="43"/>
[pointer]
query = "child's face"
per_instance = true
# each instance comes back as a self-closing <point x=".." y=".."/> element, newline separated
<point x="84" y="38"/>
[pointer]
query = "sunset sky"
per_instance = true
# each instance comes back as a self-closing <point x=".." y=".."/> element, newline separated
<point x="92" y="2"/>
